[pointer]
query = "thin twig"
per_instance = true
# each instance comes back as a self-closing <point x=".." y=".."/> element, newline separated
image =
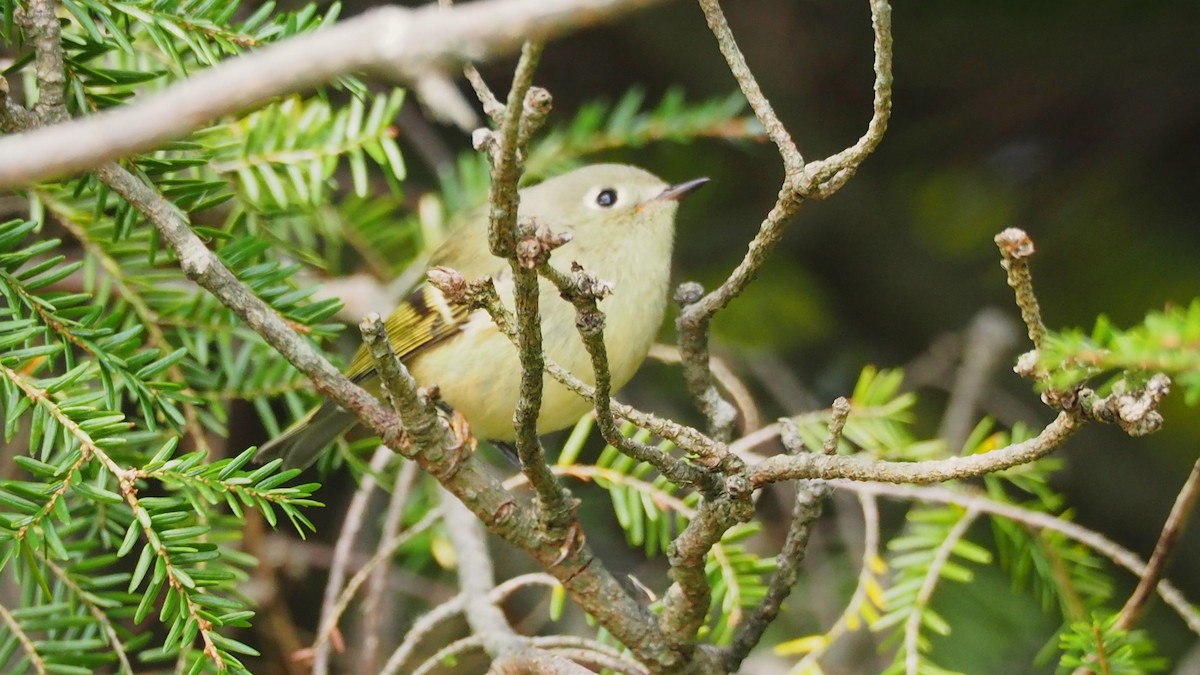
<point x="373" y="604"/>
<point x="1015" y="249"/>
<point x="424" y="624"/>
<point x="1177" y="520"/>
<point x="865" y="588"/>
<point x="352" y="522"/>
<point x="726" y="378"/>
<point x="360" y="577"/>
<point x="823" y="178"/>
<point x="685" y="603"/>
<point x="1037" y="520"/>
<point x="861" y="467"/>
<point x="912" y="627"/>
<point x="816" y="180"/>
<point x="837" y="422"/>
<point x="421" y="628"/>
<point x="809" y="503"/>
<point x="745" y="79"/>
<point x="583" y="290"/>
<point x="506" y="149"/>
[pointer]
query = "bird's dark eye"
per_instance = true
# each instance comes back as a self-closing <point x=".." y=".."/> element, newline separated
<point x="607" y="197"/>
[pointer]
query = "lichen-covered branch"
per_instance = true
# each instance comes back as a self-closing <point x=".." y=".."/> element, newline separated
<point x="524" y="110"/>
<point x="685" y="603"/>
<point x="584" y="290"/>
<point x="862" y="467"/>
<point x="808" y="505"/>
<point x="816" y="180"/>
<point x="1015" y="249"/>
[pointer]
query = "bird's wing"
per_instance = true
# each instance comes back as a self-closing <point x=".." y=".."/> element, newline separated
<point x="423" y="320"/>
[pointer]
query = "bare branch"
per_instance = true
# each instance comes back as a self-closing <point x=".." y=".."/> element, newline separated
<point x="822" y="179"/>
<point x="390" y="40"/>
<point x="1036" y="520"/>
<point x="912" y="627"/>
<point x="861" y="467"/>
<point x="1016" y="247"/>
<point x="477" y="580"/>
<point x="745" y="79"/>
<point x="817" y="180"/>
<point x="373" y="601"/>
<point x="352" y="523"/>
<point x="1185" y="502"/>
<point x="506" y="149"/>
<point x="685" y="603"/>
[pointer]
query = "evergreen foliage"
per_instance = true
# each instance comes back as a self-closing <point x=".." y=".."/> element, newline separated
<point x="121" y="525"/>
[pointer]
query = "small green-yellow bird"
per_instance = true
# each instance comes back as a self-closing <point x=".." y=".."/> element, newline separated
<point x="622" y="225"/>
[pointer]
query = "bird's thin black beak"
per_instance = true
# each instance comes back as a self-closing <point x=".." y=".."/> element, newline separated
<point x="678" y="192"/>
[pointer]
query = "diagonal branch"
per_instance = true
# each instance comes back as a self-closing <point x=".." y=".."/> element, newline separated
<point x="397" y="42"/>
<point x="1177" y="520"/>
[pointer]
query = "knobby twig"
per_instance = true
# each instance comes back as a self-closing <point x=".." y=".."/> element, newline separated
<point x="726" y="378"/>
<point x="864" y="468"/>
<point x="1015" y="250"/>
<point x="1177" y="520"/>
<point x="685" y="603"/>
<point x="584" y="290"/>
<point x="802" y="181"/>
<point x="810" y="501"/>
<point x="524" y="111"/>
<point x="393" y="41"/>
<point x="1133" y="407"/>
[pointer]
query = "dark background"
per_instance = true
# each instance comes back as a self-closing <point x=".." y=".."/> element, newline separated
<point x="1077" y="121"/>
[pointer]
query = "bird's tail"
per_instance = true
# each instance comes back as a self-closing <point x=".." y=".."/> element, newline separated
<point x="300" y="444"/>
